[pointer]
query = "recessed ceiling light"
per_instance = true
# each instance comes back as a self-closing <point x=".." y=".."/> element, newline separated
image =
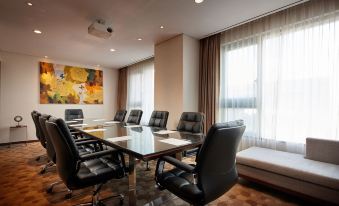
<point x="37" y="31"/>
<point x="161" y="27"/>
<point x="29" y="4"/>
<point x="139" y="39"/>
<point x="112" y="50"/>
<point x="198" y="1"/>
<point x="46" y="57"/>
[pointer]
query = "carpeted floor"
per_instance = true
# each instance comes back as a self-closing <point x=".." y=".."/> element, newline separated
<point x="20" y="184"/>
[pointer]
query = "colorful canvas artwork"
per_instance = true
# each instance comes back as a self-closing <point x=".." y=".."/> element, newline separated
<point x="60" y="84"/>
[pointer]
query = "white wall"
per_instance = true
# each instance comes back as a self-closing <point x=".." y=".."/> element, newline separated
<point x="176" y="63"/>
<point x="168" y="79"/>
<point x="191" y="48"/>
<point x="19" y="95"/>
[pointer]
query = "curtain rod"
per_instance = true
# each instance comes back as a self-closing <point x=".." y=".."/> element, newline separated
<point x="257" y="17"/>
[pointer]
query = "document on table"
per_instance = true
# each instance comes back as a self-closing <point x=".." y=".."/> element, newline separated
<point x="131" y="126"/>
<point x="99" y="120"/>
<point x="77" y="125"/>
<point x="112" y="122"/>
<point x="165" y="132"/>
<point x="176" y="142"/>
<point x="119" y="139"/>
<point x="70" y="122"/>
<point x="94" y="130"/>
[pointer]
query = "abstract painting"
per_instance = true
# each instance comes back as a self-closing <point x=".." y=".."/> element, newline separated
<point x="61" y="84"/>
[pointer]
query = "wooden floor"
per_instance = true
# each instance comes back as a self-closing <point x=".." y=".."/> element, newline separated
<point x="20" y="184"/>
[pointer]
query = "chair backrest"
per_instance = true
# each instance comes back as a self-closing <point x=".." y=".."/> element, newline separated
<point x="158" y="119"/>
<point x="49" y="145"/>
<point x="216" y="170"/>
<point x="135" y="116"/>
<point x="71" y="114"/>
<point x="120" y="115"/>
<point x="38" y="130"/>
<point x="67" y="153"/>
<point x="192" y="122"/>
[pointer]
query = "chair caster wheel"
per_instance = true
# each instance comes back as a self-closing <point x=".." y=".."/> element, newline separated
<point x="42" y="171"/>
<point x="49" y="190"/>
<point x="68" y="196"/>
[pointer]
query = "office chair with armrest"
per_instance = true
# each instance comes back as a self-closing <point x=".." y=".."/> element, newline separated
<point x="77" y="171"/>
<point x="35" y="116"/>
<point x="158" y="119"/>
<point x="215" y="171"/>
<point x="191" y="122"/>
<point x="134" y="116"/>
<point x="71" y="114"/>
<point x="82" y="146"/>
<point x="120" y="115"/>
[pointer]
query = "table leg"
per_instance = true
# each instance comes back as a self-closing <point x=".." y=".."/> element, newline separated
<point x="132" y="180"/>
<point x="178" y="156"/>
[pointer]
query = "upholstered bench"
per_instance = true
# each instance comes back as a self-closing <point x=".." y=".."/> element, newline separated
<point x="315" y="175"/>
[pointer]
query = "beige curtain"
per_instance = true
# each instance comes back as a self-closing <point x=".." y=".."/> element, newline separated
<point x="280" y="75"/>
<point x="277" y="21"/>
<point x="209" y="78"/>
<point x="122" y="89"/>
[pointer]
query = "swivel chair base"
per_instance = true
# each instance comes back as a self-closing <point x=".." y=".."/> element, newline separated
<point x="95" y="198"/>
<point x="45" y="167"/>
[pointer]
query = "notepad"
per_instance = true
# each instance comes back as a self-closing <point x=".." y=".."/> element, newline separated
<point x="99" y="120"/>
<point x="94" y="130"/>
<point x="112" y="122"/>
<point x="119" y="139"/>
<point x="164" y="132"/>
<point x="70" y="121"/>
<point x="176" y="142"/>
<point x="77" y="125"/>
<point x="131" y="126"/>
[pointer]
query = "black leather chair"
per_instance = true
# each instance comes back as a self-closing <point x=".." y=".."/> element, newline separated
<point x="35" y="116"/>
<point x="215" y="171"/>
<point x="158" y="119"/>
<point x="191" y="122"/>
<point x="134" y="116"/>
<point x="120" y="115"/>
<point x="78" y="171"/>
<point x="71" y="114"/>
<point x="82" y="146"/>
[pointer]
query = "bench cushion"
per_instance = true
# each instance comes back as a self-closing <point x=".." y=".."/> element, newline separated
<point x="323" y="150"/>
<point x="291" y="165"/>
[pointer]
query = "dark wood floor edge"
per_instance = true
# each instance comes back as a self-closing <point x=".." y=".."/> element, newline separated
<point x="308" y="198"/>
<point x="19" y="142"/>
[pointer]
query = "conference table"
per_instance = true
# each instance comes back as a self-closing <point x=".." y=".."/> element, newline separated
<point x="139" y="142"/>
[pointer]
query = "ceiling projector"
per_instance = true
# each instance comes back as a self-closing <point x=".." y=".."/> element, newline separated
<point x="100" y="29"/>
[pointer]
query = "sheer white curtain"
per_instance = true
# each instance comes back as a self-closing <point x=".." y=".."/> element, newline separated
<point x="140" y="88"/>
<point x="284" y="82"/>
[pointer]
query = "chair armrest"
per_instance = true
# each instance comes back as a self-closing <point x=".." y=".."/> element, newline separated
<point x="82" y="139"/>
<point x="84" y="142"/>
<point x="96" y="155"/>
<point x="179" y="164"/>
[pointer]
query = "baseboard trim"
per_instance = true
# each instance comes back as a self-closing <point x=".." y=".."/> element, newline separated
<point x="19" y="142"/>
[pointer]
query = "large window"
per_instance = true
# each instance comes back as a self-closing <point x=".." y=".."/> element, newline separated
<point x="140" y="88"/>
<point x="284" y="83"/>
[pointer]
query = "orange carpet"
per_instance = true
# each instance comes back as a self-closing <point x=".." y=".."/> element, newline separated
<point x="21" y="184"/>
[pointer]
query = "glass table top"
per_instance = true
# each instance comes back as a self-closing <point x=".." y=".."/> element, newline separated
<point x="141" y="141"/>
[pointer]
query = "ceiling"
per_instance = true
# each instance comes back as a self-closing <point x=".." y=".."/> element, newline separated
<point x="64" y="26"/>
